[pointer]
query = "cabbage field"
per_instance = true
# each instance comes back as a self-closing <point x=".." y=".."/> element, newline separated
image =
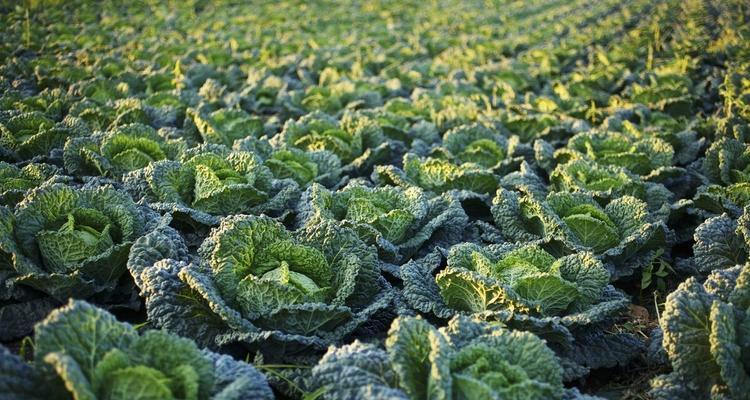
<point x="383" y="199"/>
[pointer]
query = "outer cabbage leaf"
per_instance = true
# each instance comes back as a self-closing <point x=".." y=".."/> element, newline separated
<point x="357" y="370"/>
<point x="19" y="380"/>
<point x="721" y="242"/>
<point x="18" y="316"/>
<point x="525" y="180"/>
<point x="8" y="248"/>
<point x="164" y="242"/>
<point x="420" y="356"/>
<point x="235" y="380"/>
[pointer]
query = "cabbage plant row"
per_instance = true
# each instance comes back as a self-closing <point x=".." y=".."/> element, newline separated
<point x="394" y="200"/>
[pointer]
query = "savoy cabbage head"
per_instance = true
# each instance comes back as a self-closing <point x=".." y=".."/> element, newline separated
<point x="645" y="154"/>
<point x="727" y="169"/>
<point x="465" y="360"/>
<point x="544" y="125"/>
<point x="30" y="135"/>
<point x="257" y="283"/>
<point x="118" y="151"/>
<point x="224" y="126"/>
<point x="564" y="299"/>
<point x="623" y="234"/>
<point x="211" y="181"/>
<point x="399" y="121"/>
<point x="16" y="181"/>
<point x="516" y="277"/>
<point x="401" y="222"/>
<point x="640" y="155"/>
<point x="639" y="122"/>
<point x="608" y="182"/>
<point x="318" y="131"/>
<point x="357" y="140"/>
<point x="382" y="142"/>
<point x="438" y="175"/>
<point x="705" y="336"/>
<point x="476" y="143"/>
<point x="82" y="352"/>
<point x="70" y="242"/>
<point x="305" y="167"/>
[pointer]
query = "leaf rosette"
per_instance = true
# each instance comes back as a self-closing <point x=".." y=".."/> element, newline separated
<point x="525" y="278"/>
<point x="438" y="175"/>
<point x="210" y="181"/>
<point x="465" y="360"/>
<point x="607" y="182"/>
<point x="318" y="131"/>
<point x="82" y="352"/>
<point x="15" y="181"/>
<point x="31" y="135"/>
<point x="705" y="336"/>
<point x="564" y="299"/>
<point x="305" y="167"/>
<point x="257" y="284"/>
<point x="118" y="151"/>
<point x="401" y="222"/>
<point x="224" y="126"/>
<point x="70" y="242"/>
<point x="623" y="234"/>
<point x="478" y="144"/>
<point x="727" y="169"/>
<point x="641" y="156"/>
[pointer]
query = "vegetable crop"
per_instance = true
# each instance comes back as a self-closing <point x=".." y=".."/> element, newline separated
<point x="211" y="199"/>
